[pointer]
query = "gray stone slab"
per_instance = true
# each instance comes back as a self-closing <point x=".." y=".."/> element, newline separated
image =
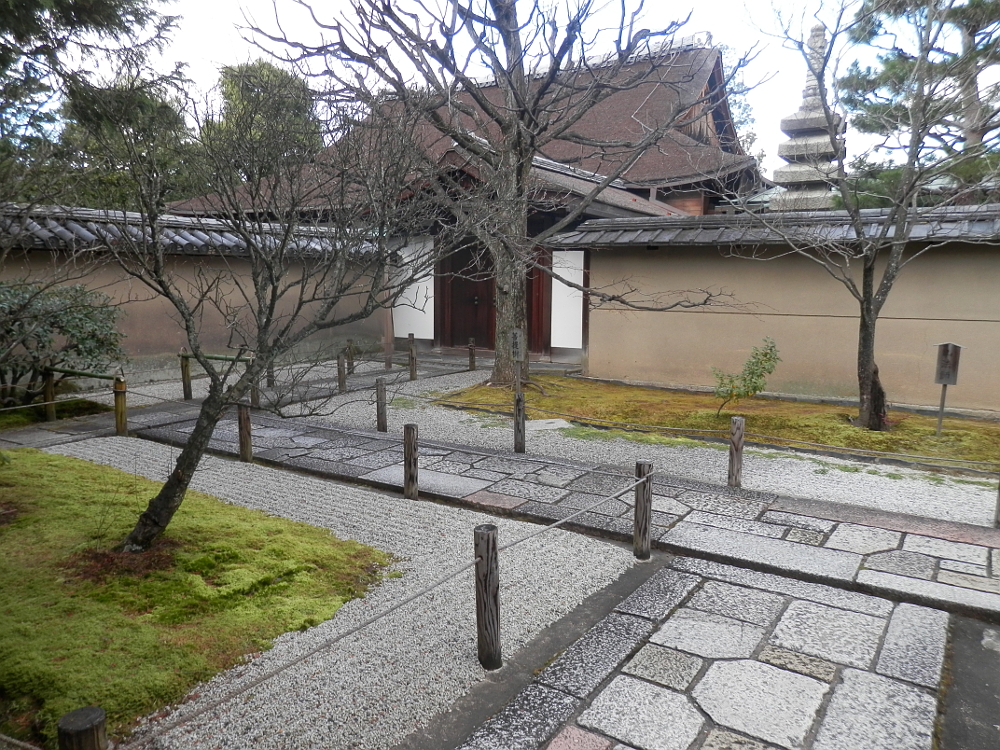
<point x="339" y="454"/>
<point x="969" y="569"/>
<point x="665" y="504"/>
<point x="723" y="739"/>
<point x="970" y="582"/>
<point x="505" y="465"/>
<point x="330" y="468"/>
<point x="837" y="635"/>
<point x="761" y="700"/>
<point x="781" y="518"/>
<point x="378" y="460"/>
<point x="930" y="592"/>
<point x="779" y="584"/>
<point x="540" y="493"/>
<point x="724" y="505"/>
<point x="580" y="500"/>
<point x="665" y="666"/>
<point x="914" y="645"/>
<point x="660" y="519"/>
<point x="708" y="635"/>
<point x="810" y="666"/>
<point x="736" y="524"/>
<point x="945" y="549"/>
<point x="776" y="553"/>
<point x="586" y="664"/>
<point x="558" y="476"/>
<point x="525" y="723"/>
<point x="450" y="467"/>
<point x="903" y="563"/>
<point x="618" y="526"/>
<point x="805" y="536"/>
<point x="446" y="485"/>
<point x="659" y="595"/>
<point x="644" y="716"/>
<point x="872" y="712"/>
<point x="862" y="539"/>
<point x="750" y="605"/>
<point x="600" y="484"/>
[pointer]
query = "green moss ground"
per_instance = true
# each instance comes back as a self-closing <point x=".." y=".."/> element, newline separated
<point x="970" y="439"/>
<point x="64" y="410"/>
<point x="82" y="625"/>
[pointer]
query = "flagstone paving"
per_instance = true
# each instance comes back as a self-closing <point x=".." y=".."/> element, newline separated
<point x="817" y="668"/>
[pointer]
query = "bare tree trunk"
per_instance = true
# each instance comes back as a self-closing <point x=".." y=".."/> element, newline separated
<point x="161" y="509"/>
<point x="872" y="411"/>
<point x="511" y="312"/>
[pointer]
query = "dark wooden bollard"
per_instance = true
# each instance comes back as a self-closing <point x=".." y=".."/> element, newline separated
<point x="519" y="422"/>
<point x="341" y="374"/>
<point x="488" y="597"/>
<point x="472" y="355"/>
<point x="83" y="729"/>
<point x="413" y="358"/>
<point x="381" y="415"/>
<point x="410" y="487"/>
<point x="121" y="413"/>
<point x="350" y="356"/>
<point x="643" y="510"/>
<point x="186" y="374"/>
<point x="49" y="395"/>
<point x="736" y="426"/>
<point x="246" y="440"/>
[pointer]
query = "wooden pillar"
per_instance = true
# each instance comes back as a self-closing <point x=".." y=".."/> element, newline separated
<point x="736" y="426"/>
<point x="246" y="439"/>
<point x="642" y="528"/>
<point x="472" y="355"/>
<point x="121" y="408"/>
<point x="186" y="374"/>
<point x="996" y="516"/>
<point x="83" y="729"/>
<point x="410" y="485"/>
<point x="350" y="356"/>
<point x="488" y="597"/>
<point x="519" y="422"/>
<point x="49" y="394"/>
<point x="381" y="415"/>
<point x="413" y="358"/>
<point x="341" y="374"/>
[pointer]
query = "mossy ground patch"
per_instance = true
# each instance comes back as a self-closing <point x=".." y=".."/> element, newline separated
<point x="83" y="625"/>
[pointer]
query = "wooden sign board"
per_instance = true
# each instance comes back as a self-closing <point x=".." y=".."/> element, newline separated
<point x="947" y="364"/>
<point x="517" y="344"/>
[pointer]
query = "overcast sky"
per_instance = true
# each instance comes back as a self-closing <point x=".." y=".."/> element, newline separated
<point x="209" y="37"/>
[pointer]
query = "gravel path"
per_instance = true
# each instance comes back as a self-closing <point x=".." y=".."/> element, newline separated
<point x="878" y="486"/>
<point x="374" y="688"/>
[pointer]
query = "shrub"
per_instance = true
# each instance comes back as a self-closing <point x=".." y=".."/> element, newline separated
<point x="752" y="380"/>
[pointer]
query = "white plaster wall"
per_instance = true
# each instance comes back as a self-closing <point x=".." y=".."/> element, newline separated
<point x="414" y="312"/>
<point x="567" y="303"/>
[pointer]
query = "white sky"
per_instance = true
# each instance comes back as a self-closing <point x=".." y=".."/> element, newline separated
<point x="208" y="37"/>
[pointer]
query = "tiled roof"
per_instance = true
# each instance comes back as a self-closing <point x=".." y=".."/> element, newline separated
<point x="967" y="223"/>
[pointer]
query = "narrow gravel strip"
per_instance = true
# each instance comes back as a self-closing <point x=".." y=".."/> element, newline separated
<point x="373" y="688"/>
<point x="879" y="486"/>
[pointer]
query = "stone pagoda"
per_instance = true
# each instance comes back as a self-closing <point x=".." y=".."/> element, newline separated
<point x="812" y="145"/>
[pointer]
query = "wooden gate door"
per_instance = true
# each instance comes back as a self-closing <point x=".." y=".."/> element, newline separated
<point x="466" y="288"/>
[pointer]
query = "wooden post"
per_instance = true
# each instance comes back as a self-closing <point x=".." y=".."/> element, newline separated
<point x="642" y="528"/>
<point x="472" y="355"/>
<point x="246" y="439"/>
<point x="350" y="356"/>
<point x="519" y="422"/>
<point x="121" y="413"/>
<point x="413" y="358"/>
<point x="341" y="374"/>
<point x="944" y="395"/>
<point x="410" y="486"/>
<point x="83" y="729"/>
<point x="186" y="374"/>
<point x="270" y="374"/>
<point x="996" y="518"/>
<point x="488" y="597"/>
<point x="49" y="388"/>
<point x="381" y="416"/>
<point x="736" y="426"/>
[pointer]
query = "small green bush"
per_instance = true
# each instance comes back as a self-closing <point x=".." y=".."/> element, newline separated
<point x="752" y="380"/>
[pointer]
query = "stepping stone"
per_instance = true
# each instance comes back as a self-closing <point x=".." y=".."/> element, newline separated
<point x="839" y="636"/>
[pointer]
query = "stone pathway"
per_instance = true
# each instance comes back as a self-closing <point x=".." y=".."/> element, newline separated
<point x="944" y="564"/>
<point x="706" y="656"/>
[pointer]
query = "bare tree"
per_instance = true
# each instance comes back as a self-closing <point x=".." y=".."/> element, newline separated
<point x="501" y="83"/>
<point x="917" y="100"/>
<point x="295" y="250"/>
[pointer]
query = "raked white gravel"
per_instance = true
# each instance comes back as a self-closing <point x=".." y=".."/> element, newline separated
<point x="375" y="687"/>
